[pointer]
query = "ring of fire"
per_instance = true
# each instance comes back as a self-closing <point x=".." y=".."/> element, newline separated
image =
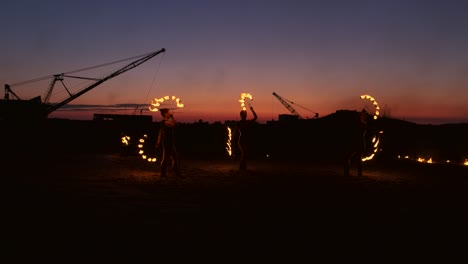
<point x="375" y="138"/>
<point x="142" y="152"/>
<point x="171" y="102"/>
<point x="374" y="103"/>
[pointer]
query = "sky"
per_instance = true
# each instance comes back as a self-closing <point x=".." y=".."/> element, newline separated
<point x="410" y="55"/>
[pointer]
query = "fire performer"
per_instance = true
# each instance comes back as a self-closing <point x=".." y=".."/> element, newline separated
<point x="243" y="136"/>
<point x="357" y="144"/>
<point x="166" y="142"/>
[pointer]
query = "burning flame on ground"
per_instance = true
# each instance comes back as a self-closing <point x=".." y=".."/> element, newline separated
<point x="156" y="102"/>
<point x="242" y="100"/>
<point x="424" y="160"/>
<point x="430" y="160"/>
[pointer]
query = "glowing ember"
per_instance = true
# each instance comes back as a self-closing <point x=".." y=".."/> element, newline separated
<point x="170" y="102"/>
<point x="243" y="96"/>
<point x="368" y="157"/>
<point x="228" y="143"/>
<point x="430" y="160"/>
<point x="424" y="160"/>
<point x="125" y="140"/>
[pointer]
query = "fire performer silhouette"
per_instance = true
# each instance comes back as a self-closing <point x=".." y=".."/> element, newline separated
<point x="166" y="140"/>
<point x="357" y="144"/>
<point x="244" y="137"/>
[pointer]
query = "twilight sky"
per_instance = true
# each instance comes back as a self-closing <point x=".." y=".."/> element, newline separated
<point x="410" y="55"/>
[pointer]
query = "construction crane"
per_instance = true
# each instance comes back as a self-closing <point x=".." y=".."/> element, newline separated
<point x="287" y="103"/>
<point x="35" y="108"/>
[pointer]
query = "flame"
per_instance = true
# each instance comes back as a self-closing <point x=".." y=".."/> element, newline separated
<point x="374" y="103"/>
<point x="156" y="102"/>
<point x="242" y="100"/>
<point x="430" y="160"/>
<point x="228" y="143"/>
<point x="368" y="158"/>
<point x="424" y="160"/>
<point x="376" y="113"/>
<point x="376" y="142"/>
<point x="142" y="152"/>
<point x="125" y="140"/>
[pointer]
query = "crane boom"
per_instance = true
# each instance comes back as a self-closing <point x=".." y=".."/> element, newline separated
<point x="36" y="109"/>
<point x="99" y="81"/>
<point x="57" y="77"/>
<point x="287" y="105"/>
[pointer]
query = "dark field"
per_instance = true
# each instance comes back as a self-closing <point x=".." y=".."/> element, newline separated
<point x="87" y="194"/>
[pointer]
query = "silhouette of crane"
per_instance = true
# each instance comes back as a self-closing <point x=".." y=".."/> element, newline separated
<point x="17" y="109"/>
<point x="288" y="104"/>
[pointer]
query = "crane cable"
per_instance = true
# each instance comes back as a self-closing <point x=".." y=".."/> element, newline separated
<point x="292" y="103"/>
<point x="84" y="69"/>
<point x="151" y="85"/>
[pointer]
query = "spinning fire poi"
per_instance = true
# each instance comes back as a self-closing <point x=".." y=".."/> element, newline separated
<point x="243" y="98"/>
<point x="142" y="151"/>
<point x="375" y="111"/>
<point x="228" y="143"/>
<point x="169" y="102"/>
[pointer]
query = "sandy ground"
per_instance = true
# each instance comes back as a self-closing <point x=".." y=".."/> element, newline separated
<point x="91" y="201"/>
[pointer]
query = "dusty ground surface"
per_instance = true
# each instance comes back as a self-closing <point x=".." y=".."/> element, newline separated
<point x="92" y="201"/>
